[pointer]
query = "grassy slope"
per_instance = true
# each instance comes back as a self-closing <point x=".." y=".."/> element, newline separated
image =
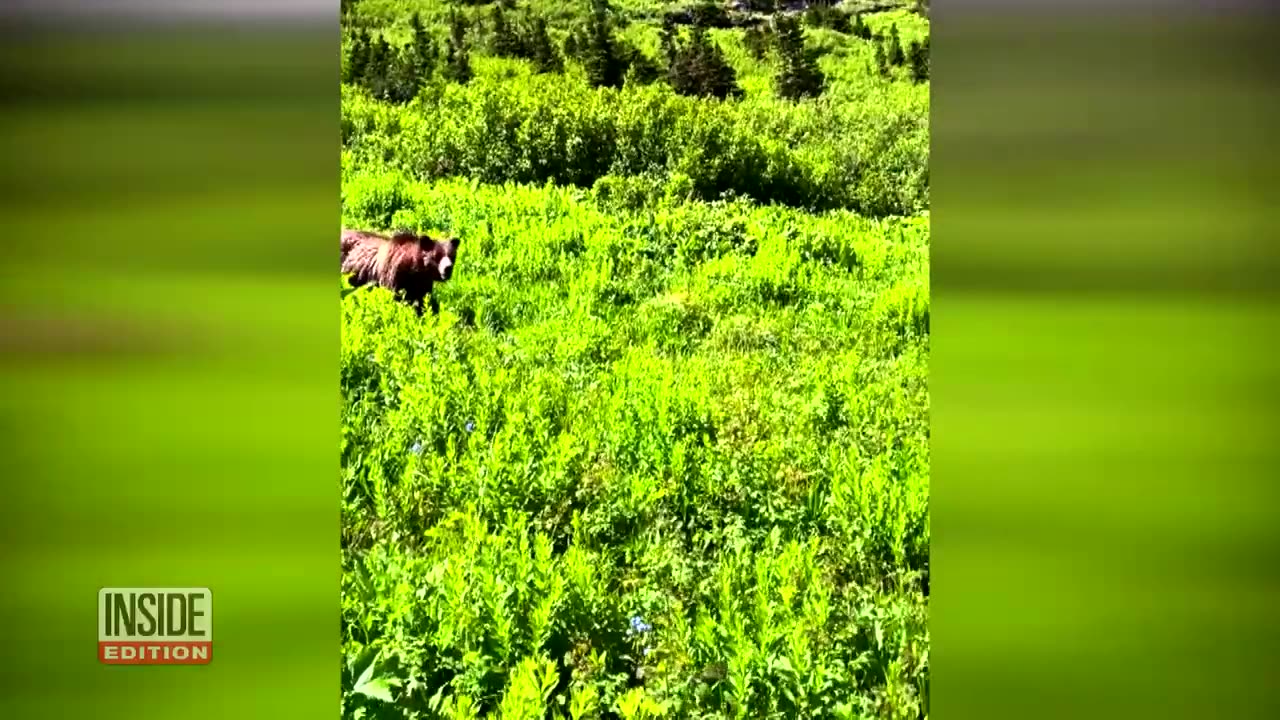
<point x="709" y="415"/>
<point x="864" y="145"/>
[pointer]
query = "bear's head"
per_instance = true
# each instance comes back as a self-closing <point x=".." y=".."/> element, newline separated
<point x="441" y="255"/>
<point x="434" y="257"/>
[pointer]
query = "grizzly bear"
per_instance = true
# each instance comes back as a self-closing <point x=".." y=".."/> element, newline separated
<point x="407" y="264"/>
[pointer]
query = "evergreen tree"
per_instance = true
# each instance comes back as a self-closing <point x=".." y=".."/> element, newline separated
<point x="392" y="75"/>
<point x="669" y="40"/>
<point x="719" y="79"/>
<point x="681" y="71"/>
<point x="641" y="69"/>
<point x="839" y="21"/>
<point x="918" y="60"/>
<point x="708" y="13"/>
<point x="402" y="77"/>
<point x="504" y="42"/>
<point x="379" y="52"/>
<point x="860" y="29"/>
<point x="822" y="13"/>
<point x="537" y="44"/>
<point x="601" y="56"/>
<point x="893" y="53"/>
<point x="882" y="62"/>
<point x="423" y="50"/>
<point x="458" y="55"/>
<point x="358" y="60"/>
<point x="378" y="67"/>
<point x="799" y="75"/>
<point x="699" y="69"/>
<point x="571" y="45"/>
<point x="756" y="39"/>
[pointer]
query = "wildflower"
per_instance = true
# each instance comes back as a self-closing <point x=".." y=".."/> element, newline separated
<point x="647" y="650"/>
<point x="471" y="425"/>
<point x="639" y="626"/>
<point x="417" y="448"/>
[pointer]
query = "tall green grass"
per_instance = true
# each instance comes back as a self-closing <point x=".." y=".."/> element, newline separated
<point x="711" y="416"/>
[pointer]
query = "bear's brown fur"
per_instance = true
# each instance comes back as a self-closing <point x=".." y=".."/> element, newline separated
<point x="406" y="264"/>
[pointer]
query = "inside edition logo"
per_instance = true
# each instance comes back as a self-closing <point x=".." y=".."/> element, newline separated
<point x="155" y="626"/>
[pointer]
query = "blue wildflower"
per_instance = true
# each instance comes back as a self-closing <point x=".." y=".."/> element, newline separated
<point x="417" y="448"/>
<point x="639" y="626"/>
<point x="471" y="426"/>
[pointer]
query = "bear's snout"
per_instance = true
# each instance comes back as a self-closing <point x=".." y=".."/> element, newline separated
<point x="446" y="268"/>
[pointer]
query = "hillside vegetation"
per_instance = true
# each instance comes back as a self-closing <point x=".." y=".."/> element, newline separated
<point x="862" y="144"/>
<point x="664" y="451"/>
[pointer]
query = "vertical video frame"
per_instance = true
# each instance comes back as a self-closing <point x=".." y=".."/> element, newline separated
<point x="634" y="367"/>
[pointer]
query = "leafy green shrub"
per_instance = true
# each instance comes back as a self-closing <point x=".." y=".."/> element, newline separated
<point x="549" y="128"/>
<point x="516" y="121"/>
<point x="798" y="75"/>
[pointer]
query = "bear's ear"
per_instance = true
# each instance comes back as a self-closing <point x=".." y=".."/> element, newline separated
<point x="454" y="242"/>
<point x="426" y="242"/>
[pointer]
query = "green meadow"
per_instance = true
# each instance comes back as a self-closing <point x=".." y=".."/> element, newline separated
<point x="664" y="451"/>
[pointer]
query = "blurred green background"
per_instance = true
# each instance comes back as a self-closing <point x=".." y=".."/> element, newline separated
<point x="169" y="346"/>
<point x="1102" y="376"/>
